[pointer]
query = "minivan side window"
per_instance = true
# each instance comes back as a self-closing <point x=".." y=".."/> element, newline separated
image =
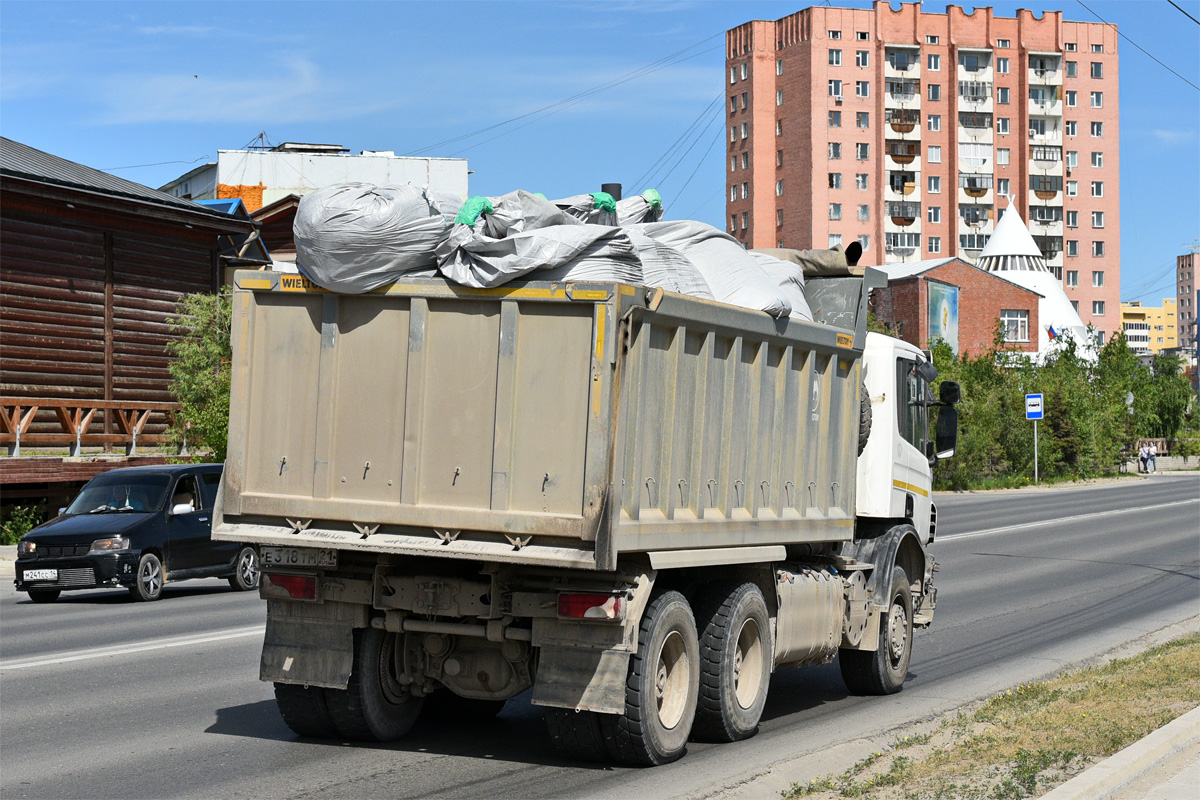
<point x="208" y="484"/>
<point x="912" y="413"/>
<point x="185" y="492"/>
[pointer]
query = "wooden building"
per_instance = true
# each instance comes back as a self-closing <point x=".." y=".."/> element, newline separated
<point x="91" y="267"/>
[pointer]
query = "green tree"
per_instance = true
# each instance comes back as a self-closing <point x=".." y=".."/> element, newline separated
<point x="200" y="370"/>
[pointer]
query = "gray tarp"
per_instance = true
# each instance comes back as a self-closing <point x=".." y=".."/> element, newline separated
<point x="789" y="277"/>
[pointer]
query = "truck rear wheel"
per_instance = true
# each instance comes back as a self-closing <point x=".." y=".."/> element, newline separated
<point x="576" y="734"/>
<point x="735" y="662"/>
<point x="661" y="689"/>
<point x="303" y="710"/>
<point x="884" y="670"/>
<point x="374" y="706"/>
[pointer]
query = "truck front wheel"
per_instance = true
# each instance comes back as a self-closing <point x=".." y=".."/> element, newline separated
<point x="884" y="670"/>
<point x="661" y="688"/>
<point x="374" y="706"/>
<point x="735" y="662"/>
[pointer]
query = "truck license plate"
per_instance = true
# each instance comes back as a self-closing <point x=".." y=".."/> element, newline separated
<point x="41" y="574"/>
<point x="297" y="557"/>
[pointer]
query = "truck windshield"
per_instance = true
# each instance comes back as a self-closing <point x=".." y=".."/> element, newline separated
<point x="121" y="493"/>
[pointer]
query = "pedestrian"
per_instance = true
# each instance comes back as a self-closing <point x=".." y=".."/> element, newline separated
<point x="1153" y="456"/>
<point x="1143" y="457"/>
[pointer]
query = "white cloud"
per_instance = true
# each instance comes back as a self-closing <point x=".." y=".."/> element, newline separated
<point x="176" y="30"/>
<point x="1172" y="138"/>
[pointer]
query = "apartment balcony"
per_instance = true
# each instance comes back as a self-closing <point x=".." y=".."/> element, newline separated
<point x="903" y="120"/>
<point x="975" y="185"/>
<point x="976" y="93"/>
<point x="1045" y="69"/>
<point x="902" y="62"/>
<point x="1046" y="156"/>
<point x="902" y="152"/>
<point x="902" y="91"/>
<point x="902" y="214"/>
<point x="903" y="183"/>
<point x="1045" y="101"/>
<point x="1045" y="187"/>
<point x="1045" y="130"/>
<point x="1050" y="246"/>
<point x="975" y="217"/>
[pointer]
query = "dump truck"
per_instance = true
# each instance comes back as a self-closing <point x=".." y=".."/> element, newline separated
<point x="635" y="503"/>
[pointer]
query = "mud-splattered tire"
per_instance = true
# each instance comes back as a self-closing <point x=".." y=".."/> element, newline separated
<point x="884" y="670"/>
<point x="735" y="662"/>
<point x="373" y="707"/>
<point x="304" y="711"/>
<point x="661" y="688"/>
<point x="576" y="734"/>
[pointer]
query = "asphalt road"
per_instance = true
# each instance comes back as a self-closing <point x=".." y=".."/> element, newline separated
<point x="103" y="697"/>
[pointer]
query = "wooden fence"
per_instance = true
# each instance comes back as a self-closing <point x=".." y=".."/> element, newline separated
<point x="44" y="422"/>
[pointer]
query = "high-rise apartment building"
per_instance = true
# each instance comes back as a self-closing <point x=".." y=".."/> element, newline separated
<point x="1187" y="297"/>
<point x="905" y="130"/>
<point x="1150" y="328"/>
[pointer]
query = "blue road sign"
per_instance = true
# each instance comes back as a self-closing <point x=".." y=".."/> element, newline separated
<point x="1033" y="406"/>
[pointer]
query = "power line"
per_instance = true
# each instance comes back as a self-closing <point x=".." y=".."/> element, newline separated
<point x="700" y="163"/>
<point x="695" y="141"/>
<point x="645" y="176"/>
<point x="1139" y="47"/>
<point x="156" y="164"/>
<point x="1186" y="14"/>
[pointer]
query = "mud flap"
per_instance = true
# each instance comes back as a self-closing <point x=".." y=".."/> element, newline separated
<point x="310" y="643"/>
<point x="582" y="678"/>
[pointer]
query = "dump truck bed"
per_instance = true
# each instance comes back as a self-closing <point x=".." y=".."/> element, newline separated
<point x="549" y="424"/>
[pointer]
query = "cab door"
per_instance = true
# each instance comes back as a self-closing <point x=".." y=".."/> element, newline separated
<point x="188" y="534"/>
<point x="912" y="416"/>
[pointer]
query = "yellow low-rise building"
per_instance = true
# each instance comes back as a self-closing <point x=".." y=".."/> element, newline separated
<point x="1150" y="329"/>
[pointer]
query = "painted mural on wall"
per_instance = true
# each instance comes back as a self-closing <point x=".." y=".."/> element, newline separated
<point x="943" y="314"/>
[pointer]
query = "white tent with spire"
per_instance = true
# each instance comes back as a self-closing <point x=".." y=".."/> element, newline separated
<point x="1012" y="253"/>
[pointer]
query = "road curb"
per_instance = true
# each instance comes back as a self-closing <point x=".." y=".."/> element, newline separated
<point x="1101" y="781"/>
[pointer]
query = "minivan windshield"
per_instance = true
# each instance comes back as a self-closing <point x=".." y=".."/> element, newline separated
<point x="121" y="493"/>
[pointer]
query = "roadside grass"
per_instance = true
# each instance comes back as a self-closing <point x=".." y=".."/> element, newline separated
<point x="1031" y="738"/>
<point x="985" y="483"/>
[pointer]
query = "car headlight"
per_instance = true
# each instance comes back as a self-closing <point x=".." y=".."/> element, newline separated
<point x="28" y="549"/>
<point x="111" y="543"/>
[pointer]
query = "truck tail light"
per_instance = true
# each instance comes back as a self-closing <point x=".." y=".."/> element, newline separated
<point x="296" y="587"/>
<point x="599" y="607"/>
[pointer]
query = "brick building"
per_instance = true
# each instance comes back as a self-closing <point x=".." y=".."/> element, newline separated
<point x="903" y="129"/>
<point x="1186" y="298"/>
<point x="983" y="298"/>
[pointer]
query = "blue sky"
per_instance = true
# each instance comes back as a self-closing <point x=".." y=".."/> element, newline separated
<point x="116" y="85"/>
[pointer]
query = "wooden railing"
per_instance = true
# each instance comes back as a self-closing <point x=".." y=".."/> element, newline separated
<point x="127" y="422"/>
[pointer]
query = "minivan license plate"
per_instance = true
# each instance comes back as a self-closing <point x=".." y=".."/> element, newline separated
<point x="41" y="574"/>
<point x="298" y="557"/>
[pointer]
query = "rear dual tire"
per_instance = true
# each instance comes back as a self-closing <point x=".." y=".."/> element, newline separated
<point x="735" y="662"/>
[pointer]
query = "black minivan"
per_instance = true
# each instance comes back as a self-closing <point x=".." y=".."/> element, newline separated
<point x="136" y="527"/>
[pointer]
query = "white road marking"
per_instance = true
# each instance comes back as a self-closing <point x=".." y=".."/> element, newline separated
<point x="1076" y="518"/>
<point x="160" y="644"/>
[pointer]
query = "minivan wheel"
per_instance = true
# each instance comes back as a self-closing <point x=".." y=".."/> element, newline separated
<point x="148" y="584"/>
<point x="245" y="575"/>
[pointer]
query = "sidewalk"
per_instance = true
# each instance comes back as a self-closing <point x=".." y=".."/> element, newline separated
<point x="8" y="557"/>
<point x="1164" y="765"/>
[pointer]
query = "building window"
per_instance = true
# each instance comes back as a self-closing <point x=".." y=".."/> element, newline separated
<point x="935" y="62"/>
<point x="779" y="97"/>
<point x="1002" y="44"/>
<point x="975" y="154"/>
<point x="1072" y="277"/>
<point x="864" y="213"/>
<point x="1072" y="188"/>
<point x="935" y="122"/>
<point x="779" y="66"/>
<point x="935" y="244"/>
<point x="1002" y="95"/>
<point x="1016" y="324"/>
<point x="745" y="160"/>
<point x="835" y="58"/>
<point x="745" y="130"/>
<point x="935" y="154"/>
<point x="835" y="240"/>
<point x="1072" y="98"/>
<point x="1097" y="278"/>
<point x="1097" y="159"/>
<point x="835" y="88"/>
<point x="733" y="223"/>
<point x="835" y="211"/>
<point x="1097" y="188"/>
<point x="835" y="180"/>
<point x="733" y="134"/>
<point x="935" y="92"/>
<point x="746" y="220"/>
<point x="1097" y="48"/>
<point x="973" y="241"/>
<point x="732" y="103"/>
<point x="745" y="71"/>
<point x="732" y="163"/>
<point x="1097" y="69"/>
<point x="779" y="158"/>
<point x="1098" y="249"/>
<point x="894" y="240"/>
<point x="779" y="127"/>
<point x="1072" y="219"/>
<point x="1097" y="99"/>
<point x="863" y="119"/>
<point x="971" y="62"/>
<point x="862" y="151"/>
<point x="932" y="40"/>
<point x="1070" y="47"/>
<point x="1002" y="125"/>
<point x="779" y="218"/>
<point x="733" y="192"/>
<point x="935" y="214"/>
<point x="779" y="188"/>
<point x="1075" y="305"/>
<point x="745" y="191"/>
<point x="1073" y="251"/>
<point x="1002" y="155"/>
<point x="864" y="241"/>
<point x="860" y="180"/>
<point x="835" y="119"/>
<point x="1072" y="159"/>
<point x="862" y="58"/>
<point x="935" y="184"/>
<point x="1002" y="66"/>
<point x="863" y="89"/>
<point x="1069" y="127"/>
<point x="1097" y="129"/>
<point x="1098" y="308"/>
<point x="733" y="80"/>
<point x="835" y="149"/>
<point x="1072" y="69"/>
<point x="1002" y="186"/>
<point x="835" y="34"/>
<point x="862" y="36"/>
<point x="745" y="100"/>
<point x="1097" y="219"/>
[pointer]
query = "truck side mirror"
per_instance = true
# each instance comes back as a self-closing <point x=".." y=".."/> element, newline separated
<point x="949" y="393"/>
<point x="947" y="430"/>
